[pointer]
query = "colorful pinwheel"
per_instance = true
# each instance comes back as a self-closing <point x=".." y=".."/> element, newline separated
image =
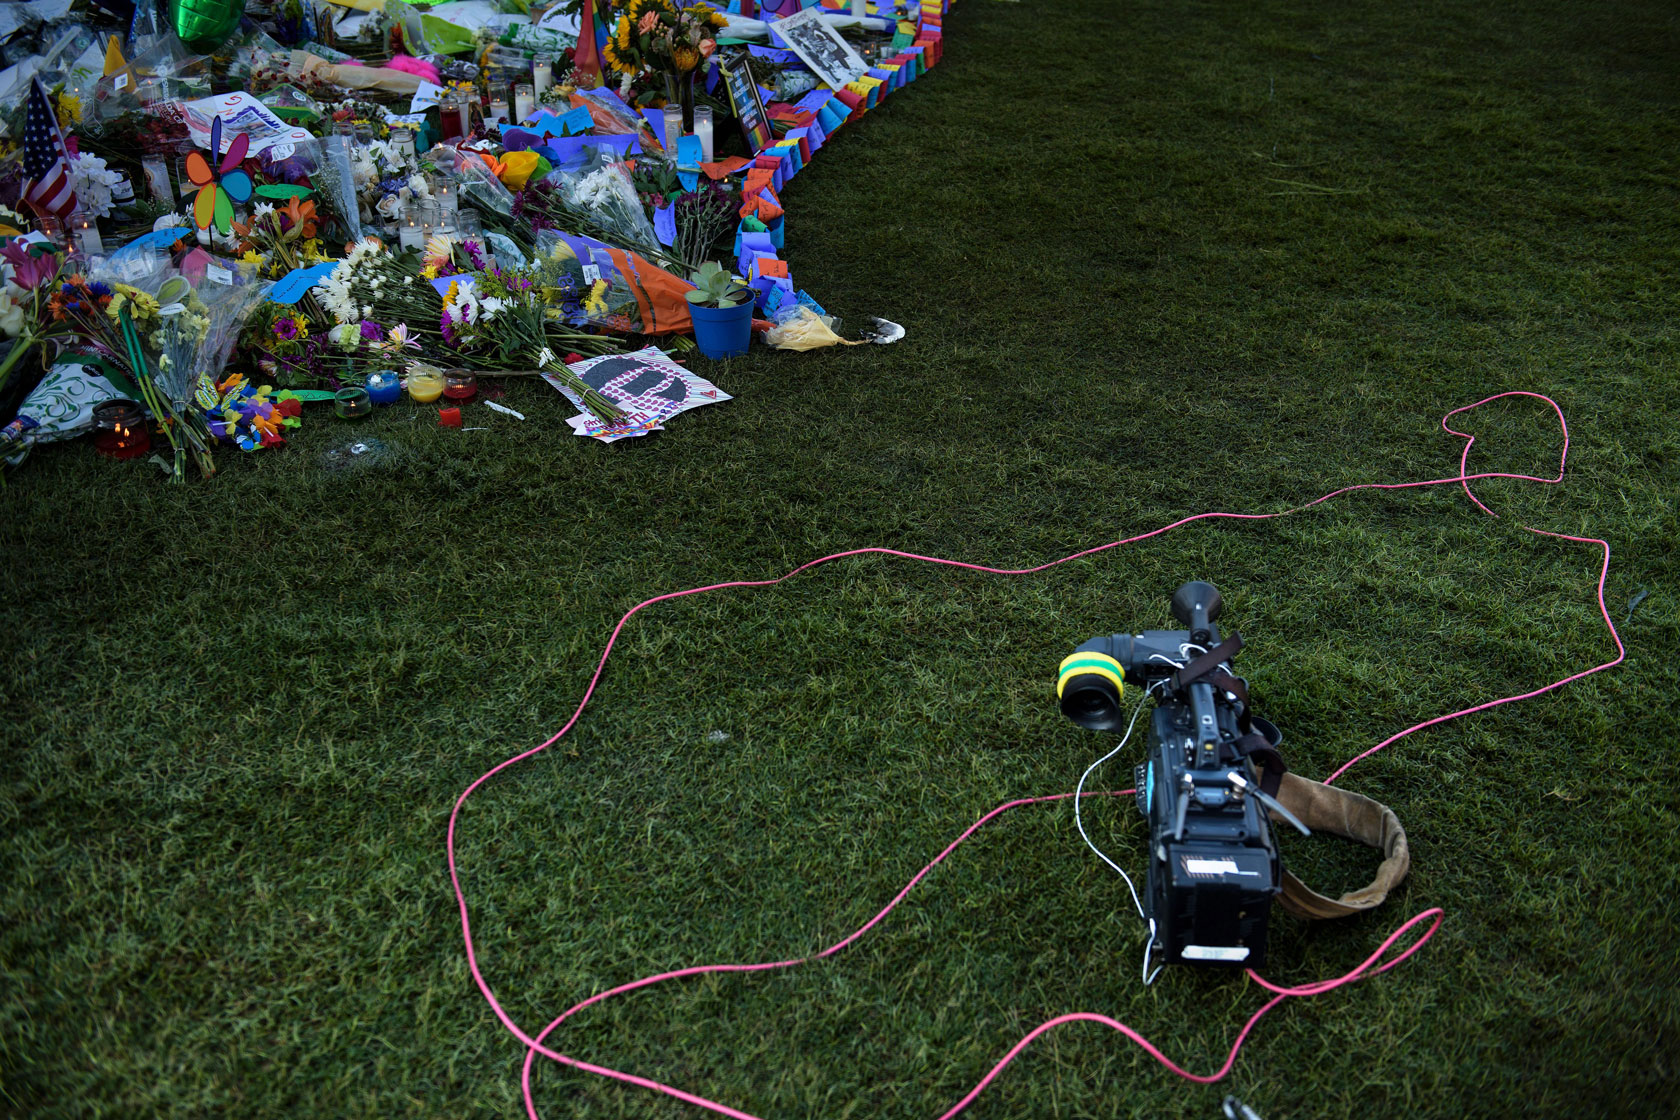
<point x="219" y="190"/>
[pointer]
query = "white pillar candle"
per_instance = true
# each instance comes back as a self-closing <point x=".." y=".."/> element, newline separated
<point x="703" y="129"/>
<point x="524" y="102"/>
<point x="409" y="235"/>
<point x="542" y="73"/>
<point x="86" y="234"/>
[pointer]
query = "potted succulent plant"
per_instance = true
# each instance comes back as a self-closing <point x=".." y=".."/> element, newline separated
<point x="721" y="306"/>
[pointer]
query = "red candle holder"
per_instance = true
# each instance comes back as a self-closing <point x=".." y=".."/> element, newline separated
<point x="459" y="384"/>
<point x="119" y="430"/>
<point x="449" y="418"/>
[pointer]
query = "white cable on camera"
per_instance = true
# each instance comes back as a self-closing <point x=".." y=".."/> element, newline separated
<point x="1078" y="796"/>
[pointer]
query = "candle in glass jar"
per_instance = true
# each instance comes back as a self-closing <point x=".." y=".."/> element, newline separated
<point x="673" y="126"/>
<point x="450" y="114"/>
<point x="467" y="104"/>
<point x="542" y="73"/>
<point x="352" y="403"/>
<point x="425" y="385"/>
<point x="499" y="110"/>
<point x="443" y="190"/>
<point x="409" y="234"/>
<point x="402" y="139"/>
<point x="383" y="387"/>
<point x="703" y="129"/>
<point x="524" y="101"/>
<point x="460" y="384"/>
<point x="119" y="430"/>
<point x="86" y="233"/>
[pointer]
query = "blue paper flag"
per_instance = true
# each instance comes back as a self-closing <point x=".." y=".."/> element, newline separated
<point x="665" y="224"/>
<point x="688" y="162"/>
<point x="442" y="283"/>
<point x="656" y="121"/>
<point x="295" y="283"/>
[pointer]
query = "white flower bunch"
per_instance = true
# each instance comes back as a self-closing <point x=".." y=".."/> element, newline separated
<point x="466" y="308"/>
<point x="92" y="183"/>
<point x="336" y="295"/>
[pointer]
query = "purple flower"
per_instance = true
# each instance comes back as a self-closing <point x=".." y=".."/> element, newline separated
<point x="286" y="329"/>
<point x="474" y="254"/>
<point x="372" y="330"/>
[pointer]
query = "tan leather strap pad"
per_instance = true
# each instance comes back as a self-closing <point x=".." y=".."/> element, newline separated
<point x="1325" y="808"/>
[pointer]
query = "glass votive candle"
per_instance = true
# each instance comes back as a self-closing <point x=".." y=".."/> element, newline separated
<point x="352" y="403"/>
<point x="119" y="430"/>
<point x="402" y="139"/>
<point x="444" y="192"/>
<point x="542" y="73"/>
<point x="409" y="233"/>
<point x="449" y="117"/>
<point x="425" y="386"/>
<point x="460" y="384"/>
<point x="383" y="386"/>
<point x="469" y="224"/>
<point x="703" y="129"/>
<point x="524" y="101"/>
<point x="431" y="217"/>
<point x="673" y="127"/>
<point x="84" y="232"/>
<point x="499" y="110"/>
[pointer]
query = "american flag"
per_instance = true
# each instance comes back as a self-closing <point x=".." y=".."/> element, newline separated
<point x="48" y="189"/>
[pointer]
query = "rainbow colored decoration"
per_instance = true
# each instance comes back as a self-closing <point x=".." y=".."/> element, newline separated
<point x="219" y="190"/>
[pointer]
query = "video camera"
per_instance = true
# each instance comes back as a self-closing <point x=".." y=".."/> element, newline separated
<point x="1211" y="773"/>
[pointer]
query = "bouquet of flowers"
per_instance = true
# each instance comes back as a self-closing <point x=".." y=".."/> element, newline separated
<point x="657" y="35"/>
<point x="278" y="239"/>
<point x="28" y="283"/>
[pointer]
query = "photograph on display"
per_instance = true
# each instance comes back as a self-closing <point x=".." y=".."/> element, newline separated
<point x="820" y="47"/>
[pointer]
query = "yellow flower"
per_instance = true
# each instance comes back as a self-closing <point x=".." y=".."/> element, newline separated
<point x="685" y="58"/>
<point x="594" y="303"/>
<point x="622" y="38"/>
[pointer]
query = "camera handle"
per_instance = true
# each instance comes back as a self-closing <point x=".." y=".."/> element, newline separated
<point x="1268" y="801"/>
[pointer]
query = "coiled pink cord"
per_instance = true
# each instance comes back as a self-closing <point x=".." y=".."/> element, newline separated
<point x="535" y="1046"/>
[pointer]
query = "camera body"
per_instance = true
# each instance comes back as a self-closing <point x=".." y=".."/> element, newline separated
<point x="1213" y="858"/>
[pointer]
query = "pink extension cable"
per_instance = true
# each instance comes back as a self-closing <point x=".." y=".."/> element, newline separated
<point x="535" y="1045"/>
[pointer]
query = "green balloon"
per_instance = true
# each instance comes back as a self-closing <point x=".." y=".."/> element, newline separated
<point x="203" y="25"/>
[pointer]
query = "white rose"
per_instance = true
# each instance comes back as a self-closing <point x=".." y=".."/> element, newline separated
<point x="11" y="313"/>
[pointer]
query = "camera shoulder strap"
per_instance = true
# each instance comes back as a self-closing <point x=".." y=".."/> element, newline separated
<point x="1199" y="667"/>
<point x="1325" y="808"/>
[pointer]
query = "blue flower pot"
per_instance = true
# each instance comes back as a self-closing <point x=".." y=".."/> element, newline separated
<point x="722" y="332"/>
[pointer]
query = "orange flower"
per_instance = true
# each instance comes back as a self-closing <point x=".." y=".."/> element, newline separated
<point x="302" y="217"/>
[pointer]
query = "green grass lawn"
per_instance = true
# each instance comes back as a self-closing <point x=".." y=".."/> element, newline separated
<point x="1152" y="259"/>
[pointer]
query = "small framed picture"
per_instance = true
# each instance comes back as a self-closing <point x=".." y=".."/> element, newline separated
<point x="748" y="106"/>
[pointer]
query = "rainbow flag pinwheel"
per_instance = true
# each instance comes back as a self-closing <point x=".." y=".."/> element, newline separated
<point x="219" y="190"/>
